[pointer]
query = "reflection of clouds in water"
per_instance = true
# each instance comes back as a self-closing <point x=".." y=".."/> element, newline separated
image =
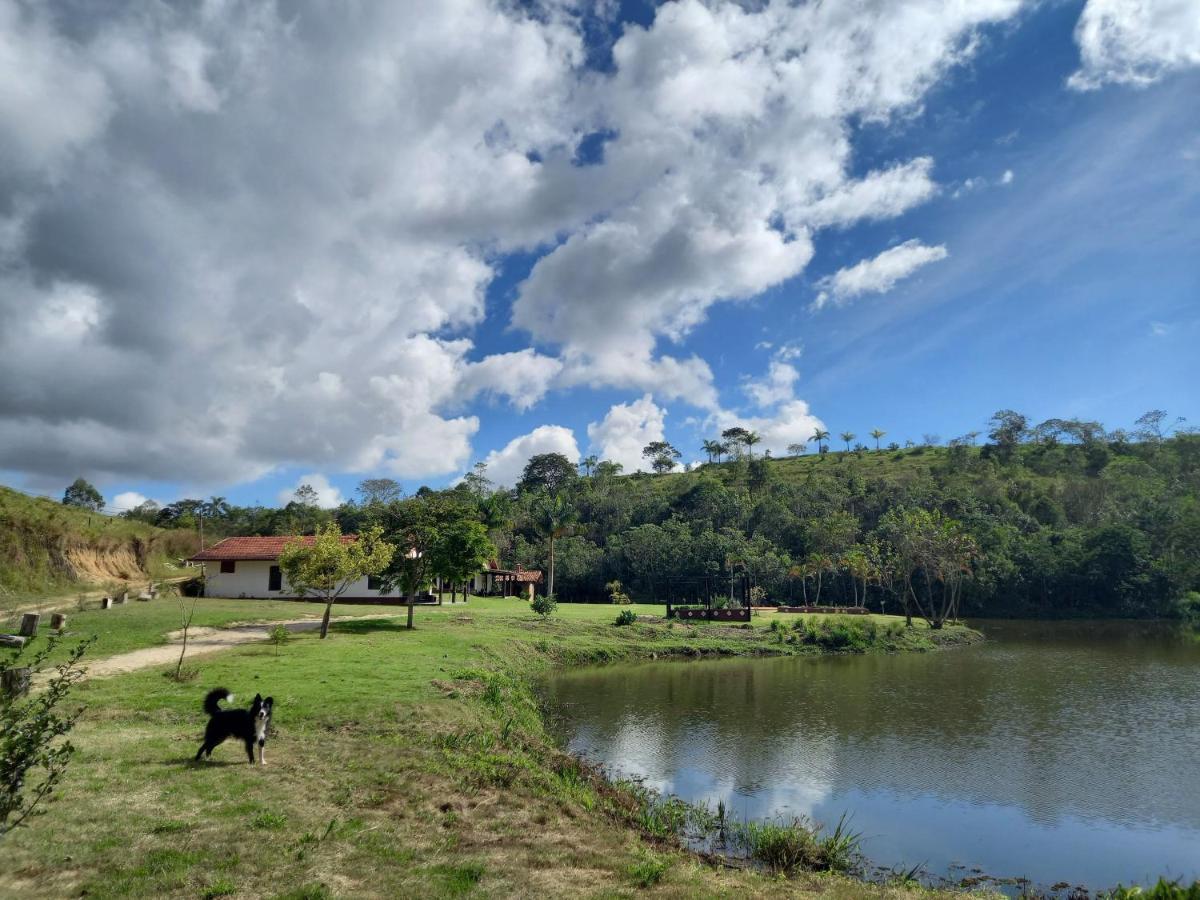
<point x="1055" y="754"/>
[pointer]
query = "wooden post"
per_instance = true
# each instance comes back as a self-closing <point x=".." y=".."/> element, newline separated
<point x="29" y="625"/>
<point x="106" y="603"/>
<point x="58" y="621"/>
<point x="11" y="640"/>
<point x="124" y="596"/>
<point x="15" y="682"/>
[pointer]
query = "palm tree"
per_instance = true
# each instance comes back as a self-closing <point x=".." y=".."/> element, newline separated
<point x="713" y="449"/>
<point x="750" y="439"/>
<point x="877" y="433"/>
<point x="553" y="517"/>
<point x="820" y="435"/>
<point x="589" y="464"/>
<point x="798" y="448"/>
<point x="847" y="436"/>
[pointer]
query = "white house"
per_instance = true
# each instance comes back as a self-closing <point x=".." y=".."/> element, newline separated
<point x="249" y="567"/>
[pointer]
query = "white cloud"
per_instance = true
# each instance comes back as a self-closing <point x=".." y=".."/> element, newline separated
<point x="1159" y="329"/>
<point x="296" y="216"/>
<point x="1135" y="41"/>
<point x="779" y="384"/>
<point x="791" y="423"/>
<point x="625" y="430"/>
<point x="1007" y="177"/>
<point x="328" y="496"/>
<point x="878" y="274"/>
<point x="127" y="500"/>
<point x="504" y="466"/>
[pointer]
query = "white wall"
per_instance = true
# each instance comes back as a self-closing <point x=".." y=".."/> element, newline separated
<point x="250" y="579"/>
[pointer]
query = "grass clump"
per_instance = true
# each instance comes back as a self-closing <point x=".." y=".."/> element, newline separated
<point x="838" y="633"/>
<point x="649" y="870"/>
<point x="1162" y="890"/>
<point x="460" y="879"/>
<point x="798" y="845"/>
<point x="625" y="617"/>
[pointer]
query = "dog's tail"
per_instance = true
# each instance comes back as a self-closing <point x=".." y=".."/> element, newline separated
<point x="212" y="700"/>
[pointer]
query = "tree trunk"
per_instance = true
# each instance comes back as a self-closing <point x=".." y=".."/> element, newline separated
<point x="325" y="618"/>
<point x="550" y="579"/>
<point x="410" y="598"/>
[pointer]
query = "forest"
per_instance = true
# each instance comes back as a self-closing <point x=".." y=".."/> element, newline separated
<point x="1059" y="519"/>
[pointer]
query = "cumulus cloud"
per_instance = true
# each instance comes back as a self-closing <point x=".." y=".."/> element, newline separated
<point x="1135" y="41"/>
<point x="328" y="496"/>
<point x="504" y="466"/>
<point x="791" y="423"/>
<point x="878" y="274"/>
<point x="778" y="385"/>
<point x="625" y="430"/>
<point x="253" y="235"/>
<point x="127" y="500"/>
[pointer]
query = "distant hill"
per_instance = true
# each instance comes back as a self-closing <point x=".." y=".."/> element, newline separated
<point x="48" y="548"/>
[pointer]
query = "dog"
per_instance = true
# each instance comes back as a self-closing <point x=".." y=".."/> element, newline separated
<point x="248" y="725"/>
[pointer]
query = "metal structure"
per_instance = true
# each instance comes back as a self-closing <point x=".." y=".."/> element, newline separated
<point x="714" y="598"/>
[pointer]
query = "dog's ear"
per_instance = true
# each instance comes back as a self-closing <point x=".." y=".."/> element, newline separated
<point x="258" y="698"/>
<point x="270" y="701"/>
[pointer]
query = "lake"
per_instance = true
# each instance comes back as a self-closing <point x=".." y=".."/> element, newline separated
<point x="1054" y="752"/>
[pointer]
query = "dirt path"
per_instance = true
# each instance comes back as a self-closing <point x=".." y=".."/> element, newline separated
<point x="200" y="641"/>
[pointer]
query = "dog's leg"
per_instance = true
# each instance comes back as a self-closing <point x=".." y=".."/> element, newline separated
<point x="262" y="753"/>
<point x="250" y="751"/>
<point x="200" y="752"/>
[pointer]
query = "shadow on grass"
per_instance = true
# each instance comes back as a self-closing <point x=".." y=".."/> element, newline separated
<point x="366" y="626"/>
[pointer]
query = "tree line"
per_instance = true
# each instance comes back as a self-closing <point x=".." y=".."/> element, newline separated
<point x="1061" y="518"/>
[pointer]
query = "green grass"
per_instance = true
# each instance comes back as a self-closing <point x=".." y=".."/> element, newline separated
<point x="403" y="764"/>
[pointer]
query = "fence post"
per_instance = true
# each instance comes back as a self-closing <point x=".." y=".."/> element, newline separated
<point x="29" y="625"/>
<point x="106" y="603"/>
<point x="58" y="621"/>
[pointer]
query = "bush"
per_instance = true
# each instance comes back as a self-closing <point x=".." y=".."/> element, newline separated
<point x="544" y="605"/>
<point x="788" y="847"/>
<point x="616" y="593"/>
<point x="649" y="870"/>
<point x="838" y="633"/>
<point x="626" y="617"/>
<point x="279" y="635"/>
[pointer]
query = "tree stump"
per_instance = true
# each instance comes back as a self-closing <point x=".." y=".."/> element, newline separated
<point x="106" y="603"/>
<point x="121" y="597"/>
<point x="15" y="682"/>
<point x="124" y="596"/>
<point x="29" y="624"/>
<point x="58" y="621"/>
<point x="12" y="640"/>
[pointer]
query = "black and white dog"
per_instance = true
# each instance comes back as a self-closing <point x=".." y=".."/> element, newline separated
<point x="248" y="725"/>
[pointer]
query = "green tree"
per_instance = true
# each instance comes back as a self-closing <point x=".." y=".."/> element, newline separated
<point x="734" y="439"/>
<point x="553" y="517"/>
<point x="1009" y="428"/>
<point x="589" y="464"/>
<point x="414" y="525"/>
<point x="33" y="759"/>
<point x="877" y="433"/>
<point x="550" y="472"/>
<point x="379" y="490"/>
<point x="848" y="436"/>
<point x="798" y="448"/>
<point x="477" y="482"/>
<point x="461" y="549"/>
<point x="326" y="567"/>
<point x="934" y="555"/>
<point x="713" y="449"/>
<point x="750" y="439"/>
<point x="83" y="494"/>
<point x="662" y="456"/>
<point x="820" y="436"/>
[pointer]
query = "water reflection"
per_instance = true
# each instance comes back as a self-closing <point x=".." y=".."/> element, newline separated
<point x="1053" y="752"/>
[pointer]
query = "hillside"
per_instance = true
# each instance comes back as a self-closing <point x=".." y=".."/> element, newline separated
<point x="47" y="548"/>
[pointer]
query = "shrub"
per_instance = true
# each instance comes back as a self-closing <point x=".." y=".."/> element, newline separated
<point x="279" y="635"/>
<point x="544" y="605"/>
<point x="626" y="617"/>
<point x="616" y="593"/>
<point x="787" y="847"/>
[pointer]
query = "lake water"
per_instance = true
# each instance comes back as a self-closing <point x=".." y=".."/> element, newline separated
<point x="1054" y="752"/>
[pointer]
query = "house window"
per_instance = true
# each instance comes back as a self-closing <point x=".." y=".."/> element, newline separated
<point x="228" y="566"/>
<point x="374" y="583"/>
<point x="275" y="579"/>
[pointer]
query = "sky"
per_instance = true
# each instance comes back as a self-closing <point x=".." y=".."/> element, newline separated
<point x="246" y="246"/>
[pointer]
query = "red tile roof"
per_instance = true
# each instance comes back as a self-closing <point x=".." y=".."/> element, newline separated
<point x="256" y="547"/>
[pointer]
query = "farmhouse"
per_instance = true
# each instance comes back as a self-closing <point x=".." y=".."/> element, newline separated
<point x="249" y="567"/>
<point x="506" y="582"/>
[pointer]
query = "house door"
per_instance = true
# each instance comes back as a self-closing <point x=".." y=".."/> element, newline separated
<point x="275" y="579"/>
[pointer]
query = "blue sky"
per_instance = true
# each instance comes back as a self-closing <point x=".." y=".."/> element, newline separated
<point x="1051" y="204"/>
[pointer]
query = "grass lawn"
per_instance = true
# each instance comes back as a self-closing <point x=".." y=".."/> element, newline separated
<point x="409" y="764"/>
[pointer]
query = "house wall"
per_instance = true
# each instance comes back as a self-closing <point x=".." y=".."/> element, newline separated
<point x="251" y="576"/>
